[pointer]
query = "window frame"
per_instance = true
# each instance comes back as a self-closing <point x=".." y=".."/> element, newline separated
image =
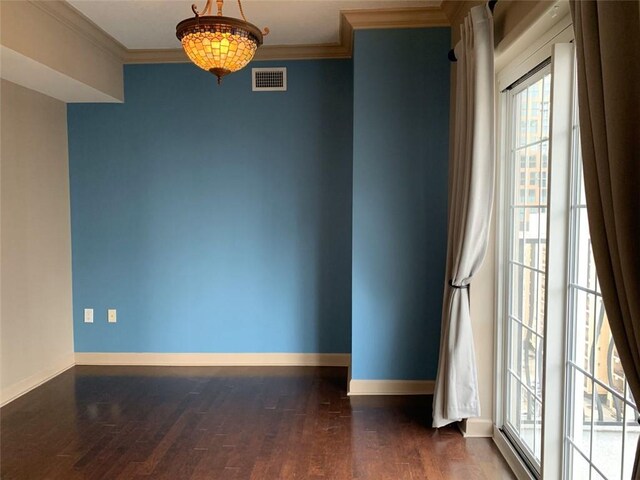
<point x="511" y="187"/>
<point x="519" y="65"/>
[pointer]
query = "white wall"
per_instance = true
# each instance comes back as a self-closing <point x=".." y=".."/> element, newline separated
<point x="36" y="337"/>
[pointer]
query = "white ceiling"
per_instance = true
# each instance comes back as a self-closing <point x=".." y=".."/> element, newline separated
<point x="150" y="24"/>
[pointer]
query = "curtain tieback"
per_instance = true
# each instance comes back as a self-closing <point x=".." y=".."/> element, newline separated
<point x="452" y="285"/>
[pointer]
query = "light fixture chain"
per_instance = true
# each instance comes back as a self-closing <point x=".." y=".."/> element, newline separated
<point x="207" y="9"/>
<point x="241" y="11"/>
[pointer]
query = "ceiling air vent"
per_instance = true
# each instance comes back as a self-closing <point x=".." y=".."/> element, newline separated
<point x="269" y="79"/>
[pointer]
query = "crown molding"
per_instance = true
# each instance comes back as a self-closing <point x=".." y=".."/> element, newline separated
<point x="266" y="52"/>
<point x="350" y="20"/>
<point x="302" y="52"/>
<point x="449" y="7"/>
<point x="396" y="18"/>
<point x="453" y="9"/>
<point x="346" y="35"/>
<point x="160" y="55"/>
<point x="64" y="13"/>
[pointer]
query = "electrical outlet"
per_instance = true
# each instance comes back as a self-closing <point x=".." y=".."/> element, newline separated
<point x="111" y="315"/>
<point x="88" y="315"/>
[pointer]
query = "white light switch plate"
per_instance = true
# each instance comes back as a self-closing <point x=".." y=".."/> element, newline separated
<point x="88" y="315"/>
<point x="111" y="315"/>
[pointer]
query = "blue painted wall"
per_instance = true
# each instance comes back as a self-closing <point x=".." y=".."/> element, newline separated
<point x="400" y="145"/>
<point x="212" y="218"/>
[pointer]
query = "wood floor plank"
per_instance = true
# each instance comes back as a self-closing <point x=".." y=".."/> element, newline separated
<point x="229" y="423"/>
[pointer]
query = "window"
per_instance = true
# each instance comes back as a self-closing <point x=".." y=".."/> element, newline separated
<point x="525" y="274"/>
<point x="533" y="178"/>
<point x="601" y="428"/>
<point x="563" y="393"/>
<point x="533" y="124"/>
<point x="545" y="118"/>
<point x="521" y="197"/>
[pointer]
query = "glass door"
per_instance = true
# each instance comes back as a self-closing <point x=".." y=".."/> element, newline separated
<point x="528" y="109"/>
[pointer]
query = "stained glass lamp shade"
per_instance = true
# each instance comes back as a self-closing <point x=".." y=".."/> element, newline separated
<point x="220" y="45"/>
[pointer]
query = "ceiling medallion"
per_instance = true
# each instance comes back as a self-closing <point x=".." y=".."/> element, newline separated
<point x="220" y="45"/>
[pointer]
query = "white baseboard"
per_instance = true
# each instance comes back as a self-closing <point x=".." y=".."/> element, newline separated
<point x="513" y="459"/>
<point x="18" y="389"/>
<point x="216" y="359"/>
<point x="391" y="387"/>
<point x="476" y="428"/>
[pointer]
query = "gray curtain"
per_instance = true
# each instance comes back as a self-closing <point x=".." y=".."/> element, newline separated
<point x="608" y="56"/>
<point x="471" y="182"/>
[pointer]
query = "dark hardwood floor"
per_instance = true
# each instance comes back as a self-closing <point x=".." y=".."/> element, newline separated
<point x="229" y="423"/>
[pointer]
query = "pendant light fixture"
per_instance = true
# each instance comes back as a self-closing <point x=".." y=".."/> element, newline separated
<point x="220" y="45"/>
